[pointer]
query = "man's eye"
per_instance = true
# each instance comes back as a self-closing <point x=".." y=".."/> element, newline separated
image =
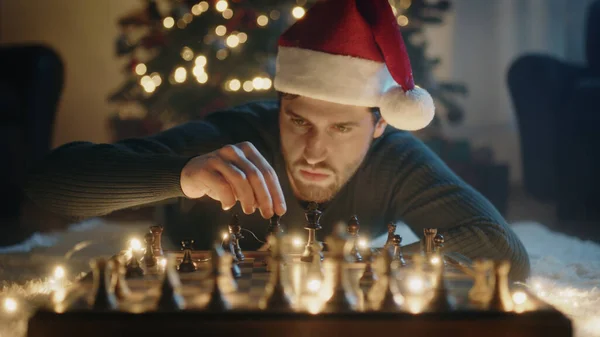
<point x="342" y="128"/>
<point x="298" y="121"/>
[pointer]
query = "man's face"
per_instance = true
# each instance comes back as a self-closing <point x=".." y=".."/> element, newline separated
<point x="324" y="144"/>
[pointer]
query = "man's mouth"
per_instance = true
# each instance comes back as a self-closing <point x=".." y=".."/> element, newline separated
<point x="313" y="175"/>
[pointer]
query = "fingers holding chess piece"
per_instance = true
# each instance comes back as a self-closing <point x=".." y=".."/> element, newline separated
<point x="104" y="297"/>
<point x="353" y="229"/>
<point x="276" y="297"/>
<point x="187" y="264"/>
<point x="170" y="296"/>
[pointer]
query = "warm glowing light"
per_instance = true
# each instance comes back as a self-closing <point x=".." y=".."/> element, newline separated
<point x="233" y="41"/>
<point x="203" y="6"/>
<point x="202" y="78"/>
<point x="156" y="79"/>
<point x="362" y="243"/>
<point x="248" y="86"/>
<point x="221" y="30"/>
<point x="196" y="9"/>
<point x="168" y="22"/>
<point x="402" y="20"/>
<point x="180" y="75"/>
<point x="135" y="244"/>
<point x="243" y="37"/>
<point x="162" y="262"/>
<point x="59" y="272"/>
<point x="200" y="61"/>
<point x="227" y="14"/>
<point x="275" y="14"/>
<point x="221" y="5"/>
<point x="222" y="54"/>
<point x="140" y="69"/>
<point x="235" y="85"/>
<point x="225" y="236"/>
<point x="313" y="306"/>
<point x="297" y="242"/>
<point x="519" y="297"/>
<point x="181" y="24"/>
<point x="187" y="53"/>
<point x="197" y="71"/>
<point x="149" y="87"/>
<point x="267" y="83"/>
<point x="262" y="20"/>
<point x="145" y="79"/>
<point x="435" y="260"/>
<point x="10" y="305"/>
<point x="415" y="284"/>
<point x="298" y="12"/>
<point x="257" y="83"/>
<point x="313" y="285"/>
<point x="187" y="17"/>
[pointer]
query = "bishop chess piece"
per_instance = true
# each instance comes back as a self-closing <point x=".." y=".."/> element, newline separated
<point x="441" y="300"/>
<point x="235" y="234"/>
<point x="217" y="300"/>
<point x="429" y="241"/>
<point x="157" y="242"/>
<point x="368" y="277"/>
<point x="122" y="291"/>
<point x="391" y="231"/>
<point x="149" y="258"/>
<point x="397" y="257"/>
<point x="134" y="269"/>
<point x="187" y="264"/>
<point x="501" y="299"/>
<point x="313" y="216"/>
<point x="276" y="297"/>
<point x="353" y="229"/>
<point x="104" y="297"/>
<point x="341" y="300"/>
<point x="170" y="296"/>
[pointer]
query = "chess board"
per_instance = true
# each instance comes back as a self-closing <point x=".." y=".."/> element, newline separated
<point x="137" y="315"/>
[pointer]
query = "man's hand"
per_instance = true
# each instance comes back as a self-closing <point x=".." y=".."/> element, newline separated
<point x="232" y="173"/>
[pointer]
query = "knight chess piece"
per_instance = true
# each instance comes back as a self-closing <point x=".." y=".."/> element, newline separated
<point x="501" y="299"/>
<point x="134" y="269"/>
<point x="313" y="216"/>
<point x="122" y="291"/>
<point x="157" y="242"/>
<point x="341" y="300"/>
<point x="170" y="296"/>
<point x="391" y="231"/>
<point x="429" y="240"/>
<point x="104" y="297"/>
<point x="276" y="297"/>
<point x="217" y="300"/>
<point x="187" y="264"/>
<point x="235" y="234"/>
<point x="441" y="300"/>
<point x="353" y="229"/>
<point x="397" y="257"/>
<point x="149" y="258"/>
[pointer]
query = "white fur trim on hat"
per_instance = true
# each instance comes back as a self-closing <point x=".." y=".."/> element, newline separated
<point x="410" y="110"/>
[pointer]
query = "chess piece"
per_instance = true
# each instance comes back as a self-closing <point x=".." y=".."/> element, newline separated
<point x="501" y="299"/>
<point x="314" y="275"/>
<point x="157" y="242"/>
<point x="441" y="300"/>
<point x="368" y="277"/>
<point x="134" y="269"/>
<point x="353" y="229"/>
<point x="104" y="297"/>
<point x="122" y="291"/>
<point x="397" y="257"/>
<point x="341" y="300"/>
<point x="391" y="232"/>
<point x="480" y="292"/>
<point x="276" y="297"/>
<point x="274" y="228"/>
<point x="187" y="265"/>
<point x="429" y="242"/>
<point x="149" y="258"/>
<point x="313" y="216"/>
<point x="170" y="297"/>
<point x="235" y="234"/>
<point x="388" y="303"/>
<point x="438" y="243"/>
<point x="217" y="300"/>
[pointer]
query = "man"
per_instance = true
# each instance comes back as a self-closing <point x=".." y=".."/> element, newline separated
<point x="336" y="136"/>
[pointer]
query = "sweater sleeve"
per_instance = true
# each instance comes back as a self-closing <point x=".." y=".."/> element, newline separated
<point x="83" y="179"/>
<point x="426" y="193"/>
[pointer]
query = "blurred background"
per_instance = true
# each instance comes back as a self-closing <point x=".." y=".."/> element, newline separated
<point x="513" y="81"/>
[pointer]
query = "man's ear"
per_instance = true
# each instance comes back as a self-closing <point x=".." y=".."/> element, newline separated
<point x="379" y="127"/>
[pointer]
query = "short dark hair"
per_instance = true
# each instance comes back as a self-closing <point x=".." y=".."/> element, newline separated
<point x="374" y="110"/>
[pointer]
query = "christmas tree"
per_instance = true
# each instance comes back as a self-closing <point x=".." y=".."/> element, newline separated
<point x="187" y="58"/>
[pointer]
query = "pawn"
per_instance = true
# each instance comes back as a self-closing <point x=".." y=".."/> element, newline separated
<point x="353" y="229"/>
<point x="341" y="300"/>
<point x="441" y="300"/>
<point x="388" y="303"/>
<point x="134" y="270"/>
<point x="276" y="298"/>
<point x="501" y="299"/>
<point x="438" y="243"/>
<point x="397" y="257"/>
<point x="217" y="300"/>
<point x="104" y="297"/>
<point x="235" y="234"/>
<point x="170" y="297"/>
<point x="157" y="242"/>
<point x="122" y="291"/>
<point x="480" y="292"/>
<point x="368" y="277"/>
<point x="149" y="258"/>
<point x="187" y="265"/>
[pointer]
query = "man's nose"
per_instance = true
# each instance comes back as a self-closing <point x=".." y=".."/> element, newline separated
<point x="316" y="148"/>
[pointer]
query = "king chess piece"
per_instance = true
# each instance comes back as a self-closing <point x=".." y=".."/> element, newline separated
<point x="276" y="297"/>
<point x="341" y="300"/>
<point x="353" y="229"/>
<point x="149" y="258"/>
<point x="170" y="296"/>
<point x="235" y="234"/>
<point x="104" y="297"/>
<point x="187" y="264"/>
<point x="390" y="238"/>
<point x="157" y="242"/>
<point x="313" y="216"/>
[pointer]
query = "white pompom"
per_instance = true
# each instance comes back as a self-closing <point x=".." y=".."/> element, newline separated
<point x="411" y="110"/>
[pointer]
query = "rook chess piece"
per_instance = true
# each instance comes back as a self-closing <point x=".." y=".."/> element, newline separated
<point x="397" y="256"/>
<point x="170" y="297"/>
<point x="353" y="229"/>
<point x="217" y="300"/>
<point x="391" y="232"/>
<point x="313" y="216"/>
<point x="122" y="291"/>
<point x="429" y="240"/>
<point x="235" y="234"/>
<point x="501" y="299"/>
<point x="187" y="265"/>
<point x="149" y="258"/>
<point x="104" y="294"/>
<point x="341" y="300"/>
<point x="157" y="243"/>
<point x="276" y="297"/>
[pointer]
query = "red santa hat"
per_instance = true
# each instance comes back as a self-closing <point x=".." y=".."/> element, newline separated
<point x="352" y="52"/>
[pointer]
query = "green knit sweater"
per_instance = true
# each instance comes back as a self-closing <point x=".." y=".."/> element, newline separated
<point x="400" y="180"/>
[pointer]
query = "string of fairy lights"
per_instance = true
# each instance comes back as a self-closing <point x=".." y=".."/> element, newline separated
<point x="181" y="74"/>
